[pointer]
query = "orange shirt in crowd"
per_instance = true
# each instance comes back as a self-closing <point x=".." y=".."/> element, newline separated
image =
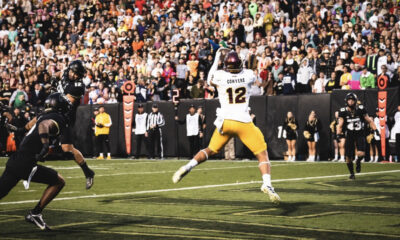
<point x="137" y="45"/>
<point x="359" y="60"/>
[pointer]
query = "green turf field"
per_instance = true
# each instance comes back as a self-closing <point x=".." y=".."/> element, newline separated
<point x="134" y="199"/>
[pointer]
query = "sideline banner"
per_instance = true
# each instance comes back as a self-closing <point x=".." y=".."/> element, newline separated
<point x="128" y="103"/>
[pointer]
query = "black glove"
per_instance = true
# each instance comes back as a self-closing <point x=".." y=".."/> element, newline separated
<point x="43" y="153"/>
<point x="100" y="125"/>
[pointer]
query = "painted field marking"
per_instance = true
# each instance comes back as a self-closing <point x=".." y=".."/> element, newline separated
<point x="247" y="234"/>
<point x="198" y="169"/>
<point x="196" y="187"/>
<point x="155" y="234"/>
<point x="291" y="217"/>
<point x="76" y="224"/>
<point x="369" y="199"/>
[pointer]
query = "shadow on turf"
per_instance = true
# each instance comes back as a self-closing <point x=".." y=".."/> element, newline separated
<point x="124" y="226"/>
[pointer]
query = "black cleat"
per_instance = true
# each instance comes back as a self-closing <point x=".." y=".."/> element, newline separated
<point x="358" y="166"/>
<point x="37" y="219"/>
<point x="352" y="177"/>
<point x="90" y="180"/>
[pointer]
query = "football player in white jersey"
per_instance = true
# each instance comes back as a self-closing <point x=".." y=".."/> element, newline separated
<point x="233" y="119"/>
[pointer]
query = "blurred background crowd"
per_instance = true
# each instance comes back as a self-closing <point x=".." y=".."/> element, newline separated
<point x="293" y="46"/>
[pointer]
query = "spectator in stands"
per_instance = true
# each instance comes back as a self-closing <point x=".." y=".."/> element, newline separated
<point x="19" y="97"/>
<point x="367" y="79"/>
<point x="18" y="121"/>
<point x="319" y="84"/>
<point x="303" y="77"/>
<point x="345" y="78"/>
<point x="125" y="41"/>
<point x="5" y="94"/>
<point x="37" y="96"/>
<point x="102" y="132"/>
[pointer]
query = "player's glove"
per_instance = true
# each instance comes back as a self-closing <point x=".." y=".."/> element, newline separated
<point x="100" y="125"/>
<point x="43" y="153"/>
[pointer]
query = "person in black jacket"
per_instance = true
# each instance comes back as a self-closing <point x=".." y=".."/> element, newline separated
<point x="37" y="96"/>
<point x="290" y="127"/>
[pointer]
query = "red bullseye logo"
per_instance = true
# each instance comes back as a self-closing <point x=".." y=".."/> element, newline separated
<point x="129" y="87"/>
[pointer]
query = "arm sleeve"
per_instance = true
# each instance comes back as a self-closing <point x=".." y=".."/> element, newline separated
<point x="160" y="120"/>
<point x="108" y="122"/>
<point x="134" y="122"/>
<point x="13" y="97"/>
<point x="214" y="67"/>
<point x="147" y="122"/>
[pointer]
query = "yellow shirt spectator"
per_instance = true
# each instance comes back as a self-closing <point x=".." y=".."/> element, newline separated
<point x="103" y="123"/>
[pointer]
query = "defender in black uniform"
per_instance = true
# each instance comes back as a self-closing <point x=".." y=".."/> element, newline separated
<point x="33" y="148"/>
<point x="351" y="123"/>
<point x="72" y="87"/>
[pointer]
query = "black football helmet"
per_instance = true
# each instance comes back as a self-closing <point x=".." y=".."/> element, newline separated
<point x="57" y="102"/>
<point x="233" y="63"/>
<point x="351" y="96"/>
<point x="77" y="67"/>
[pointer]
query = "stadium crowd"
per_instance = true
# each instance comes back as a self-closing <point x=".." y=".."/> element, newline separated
<point x="292" y="46"/>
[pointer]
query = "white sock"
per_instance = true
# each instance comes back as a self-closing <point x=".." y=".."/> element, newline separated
<point x="108" y="154"/>
<point x="312" y="157"/>
<point x="376" y="158"/>
<point x="342" y="158"/>
<point x="336" y="156"/>
<point x="294" y="158"/>
<point x="191" y="164"/>
<point x="101" y="154"/>
<point x="266" y="179"/>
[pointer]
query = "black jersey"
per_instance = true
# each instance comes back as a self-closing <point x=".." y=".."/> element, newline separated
<point x="353" y="120"/>
<point x="75" y="89"/>
<point x="32" y="144"/>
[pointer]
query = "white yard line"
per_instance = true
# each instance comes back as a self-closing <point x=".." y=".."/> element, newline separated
<point x="198" y="169"/>
<point x="196" y="187"/>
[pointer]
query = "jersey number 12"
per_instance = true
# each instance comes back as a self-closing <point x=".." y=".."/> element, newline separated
<point x="239" y="95"/>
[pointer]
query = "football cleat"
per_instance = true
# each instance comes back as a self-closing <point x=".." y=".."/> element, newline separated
<point x="273" y="196"/>
<point x="341" y="160"/>
<point x="178" y="175"/>
<point x="37" y="219"/>
<point x="89" y="182"/>
<point x="352" y="177"/>
<point x="100" y="158"/>
<point x="108" y="157"/>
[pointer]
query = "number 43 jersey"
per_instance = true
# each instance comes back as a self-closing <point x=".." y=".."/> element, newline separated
<point x="234" y="94"/>
<point x="353" y="120"/>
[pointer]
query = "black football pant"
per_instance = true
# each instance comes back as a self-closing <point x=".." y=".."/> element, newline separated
<point x="193" y="145"/>
<point x="11" y="177"/>
<point x="139" y="139"/>
<point x="398" y="146"/>
<point x="101" y="141"/>
<point x="155" y="141"/>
